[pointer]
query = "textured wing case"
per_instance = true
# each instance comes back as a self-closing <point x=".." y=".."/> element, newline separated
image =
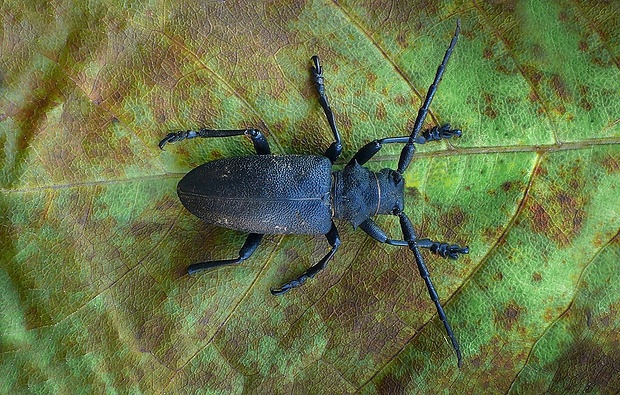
<point x="268" y="194"/>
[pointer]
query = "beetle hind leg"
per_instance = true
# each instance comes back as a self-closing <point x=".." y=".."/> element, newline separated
<point x="250" y="245"/>
<point x="258" y="138"/>
<point x="334" y="242"/>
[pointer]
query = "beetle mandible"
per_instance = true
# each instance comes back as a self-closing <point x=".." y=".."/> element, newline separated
<point x="299" y="194"/>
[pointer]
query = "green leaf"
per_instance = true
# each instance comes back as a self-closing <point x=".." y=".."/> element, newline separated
<point x="94" y="241"/>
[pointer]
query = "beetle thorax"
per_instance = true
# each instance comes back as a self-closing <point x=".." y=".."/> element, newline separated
<point x="359" y="193"/>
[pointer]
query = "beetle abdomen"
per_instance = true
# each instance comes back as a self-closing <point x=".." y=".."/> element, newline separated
<point x="267" y="194"/>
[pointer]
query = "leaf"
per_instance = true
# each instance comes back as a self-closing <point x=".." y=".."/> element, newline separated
<point x="95" y="241"/>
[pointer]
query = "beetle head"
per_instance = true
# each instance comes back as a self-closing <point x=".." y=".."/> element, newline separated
<point x="391" y="191"/>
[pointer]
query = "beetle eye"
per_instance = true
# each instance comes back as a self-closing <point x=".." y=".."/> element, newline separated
<point x="397" y="177"/>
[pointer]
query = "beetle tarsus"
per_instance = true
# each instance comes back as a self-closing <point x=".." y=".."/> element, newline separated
<point x="179" y="136"/>
<point x="298" y="282"/>
<point x="317" y="74"/>
<point x="334" y="241"/>
<point x="249" y="246"/>
<point x="318" y="70"/>
<point x="438" y="133"/>
<point x="444" y="250"/>
<point x="171" y="137"/>
<point x="334" y="150"/>
<point x="286" y="287"/>
<point x="202" y="266"/>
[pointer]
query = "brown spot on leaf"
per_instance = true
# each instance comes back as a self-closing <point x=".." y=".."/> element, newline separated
<point x="559" y="86"/>
<point x="400" y="100"/>
<point x="611" y="164"/>
<point x="401" y="39"/>
<point x="571" y="211"/>
<point x="585" y="104"/>
<point x="144" y="228"/>
<point x="487" y="53"/>
<point x="453" y="221"/>
<point x="510" y="315"/>
<point x="533" y="96"/>
<point x="537" y="277"/>
<point x="533" y="74"/>
<point x="489" y="111"/>
<point x="574" y="184"/>
<point x="589" y="317"/>
<point x="557" y="211"/>
<point x="540" y="171"/>
<point x="507" y="186"/>
<point x="490" y="234"/>
<point x="390" y="385"/>
<point x="340" y="90"/>
<point x="381" y="113"/>
<point x="541" y="220"/>
<point x="587" y="368"/>
<point x="568" y="218"/>
<point x="371" y="77"/>
<point x="165" y="203"/>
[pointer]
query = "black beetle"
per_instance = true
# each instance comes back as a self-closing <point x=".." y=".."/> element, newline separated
<point x="299" y="194"/>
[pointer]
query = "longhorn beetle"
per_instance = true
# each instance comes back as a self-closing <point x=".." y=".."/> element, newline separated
<point x="299" y="194"/>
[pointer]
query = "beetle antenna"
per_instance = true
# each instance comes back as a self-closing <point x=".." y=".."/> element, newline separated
<point x="408" y="150"/>
<point x="412" y="241"/>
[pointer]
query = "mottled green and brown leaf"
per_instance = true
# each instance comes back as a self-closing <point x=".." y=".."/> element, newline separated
<point x="94" y="242"/>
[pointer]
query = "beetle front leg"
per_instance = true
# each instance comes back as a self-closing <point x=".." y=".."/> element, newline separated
<point x="373" y="230"/>
<point x="334" y="241"/>
<point x="437" y="133"/>
<point x="433" y="134"/>
<point x="250" y="245"/>
<point x="444" y="250"/>
<point x="258" y="139"/>
<point x="334" y="150"/>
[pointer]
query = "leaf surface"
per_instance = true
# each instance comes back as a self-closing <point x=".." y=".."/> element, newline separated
<point x="94" y="241"/>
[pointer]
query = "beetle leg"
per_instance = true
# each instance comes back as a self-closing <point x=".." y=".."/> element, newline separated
<point x="258" y="139"/>
<point x="437" y="133"/>
<point x="444" y="250"/>
<point x="334" y="150"/>
<point x="410" y="236"/>
<point x="433" y="134"/>
<point x="334" y="242"/>
<point x="373" y="230"/>
<point x="250" y="245"/>
<point x="369" y="150"/>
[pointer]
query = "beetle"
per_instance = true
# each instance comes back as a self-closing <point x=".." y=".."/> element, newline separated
<point x="300" y="194"/>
